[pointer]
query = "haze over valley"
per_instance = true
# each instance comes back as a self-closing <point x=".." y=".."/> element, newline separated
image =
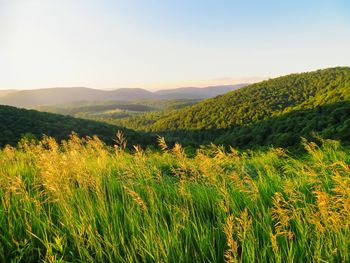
<point x="50" y="96"/>
<point x="174" y="131"/>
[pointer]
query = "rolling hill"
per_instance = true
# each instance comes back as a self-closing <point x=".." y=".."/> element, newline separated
<point x="52" y="96"/>
<point x="6" y="92"/>
<point x="197" y="93"/>
<point x="277" y="111"/>
<point x="261" y="100"/>
<point x="15" y="123"/>
<point x="112" y="110"/>
<point x="33" y="98"/>
<point x="330" y="121"/>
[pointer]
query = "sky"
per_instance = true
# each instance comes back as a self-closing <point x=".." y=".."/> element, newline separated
<point x="159" y="44"/>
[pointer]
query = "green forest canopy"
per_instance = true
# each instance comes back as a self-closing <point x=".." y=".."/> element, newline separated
<point x="254" y="103"/>
<point x="274" y="112"/>
<point x="16" y="123"/>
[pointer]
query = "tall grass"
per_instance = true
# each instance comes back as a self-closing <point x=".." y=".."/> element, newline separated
<point x="82" y="201"/>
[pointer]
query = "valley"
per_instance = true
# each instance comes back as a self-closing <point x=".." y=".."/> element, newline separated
<point x="174" y="131"/>
<point x="257" y="173"/>
<point x="277" y="112"/>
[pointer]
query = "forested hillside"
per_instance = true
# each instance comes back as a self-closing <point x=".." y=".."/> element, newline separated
<point x="16" y="123"/>
<point x="329" y="121"/>
<point x="274" y="112"/>
<point x="258" y="102"/>
<point x="111" y="110"/>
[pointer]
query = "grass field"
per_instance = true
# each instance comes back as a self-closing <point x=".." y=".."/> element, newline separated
<point x="82" y="201"/>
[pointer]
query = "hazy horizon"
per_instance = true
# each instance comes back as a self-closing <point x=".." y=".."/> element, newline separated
<point x="154" y="88"/>
<point x="167" y="44"/>
<point x="199" y="84"/>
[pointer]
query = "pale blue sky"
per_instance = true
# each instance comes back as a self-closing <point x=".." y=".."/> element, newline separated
<point x="167" y="43"/>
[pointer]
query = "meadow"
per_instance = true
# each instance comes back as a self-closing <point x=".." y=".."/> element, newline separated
<point x="83" y="201"/>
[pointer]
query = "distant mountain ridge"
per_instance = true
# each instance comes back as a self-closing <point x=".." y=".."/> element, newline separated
<point x="51" y="96"/>
<point x="261" y="100"/>
<point x="197" y="93"/>
<point x="32" y="98"/>
<point x="275" y="112"/>
<point x="6" y="92"/>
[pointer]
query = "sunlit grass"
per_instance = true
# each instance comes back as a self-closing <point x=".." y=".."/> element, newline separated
<point x="82" y="201"/>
